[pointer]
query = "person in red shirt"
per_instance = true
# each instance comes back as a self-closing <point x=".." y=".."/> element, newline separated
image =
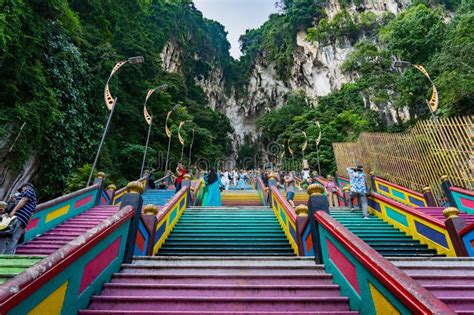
<point x="180" y="170"/>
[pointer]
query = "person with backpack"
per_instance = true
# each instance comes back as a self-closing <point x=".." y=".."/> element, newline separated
<point x="18" y="218"/>
<point x="358" y="185"/>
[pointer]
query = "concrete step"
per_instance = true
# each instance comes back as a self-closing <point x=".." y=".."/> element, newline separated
<point x="136" y="289"/>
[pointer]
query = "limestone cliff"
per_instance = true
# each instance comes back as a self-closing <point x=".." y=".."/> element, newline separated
<point x="316" y="70"/>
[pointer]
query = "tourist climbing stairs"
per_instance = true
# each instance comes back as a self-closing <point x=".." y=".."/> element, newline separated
<point x="49" y="242"/>
<point x="380" y="235"/>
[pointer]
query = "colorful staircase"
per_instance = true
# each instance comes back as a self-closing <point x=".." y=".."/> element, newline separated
<point x="157" y="197"/>
<point x="380" y="235"/>
<point x="450" y="279"/>
<point x="241" y="198"/>
<point x="10" y="265"/>
<point x="438" y="214"/>
<point x="62" y="234"/>
<point x="227" y="232"/>
<point x="218" y="285"/>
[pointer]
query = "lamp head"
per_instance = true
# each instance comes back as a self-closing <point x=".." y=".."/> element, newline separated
<point x="162" y="87"/>
<point x="175" y="107"/>
<point x="401" y="64"/>
<point x="136" y="60"/>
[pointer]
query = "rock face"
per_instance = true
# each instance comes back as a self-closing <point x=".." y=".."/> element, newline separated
<point x="316" y="71"/>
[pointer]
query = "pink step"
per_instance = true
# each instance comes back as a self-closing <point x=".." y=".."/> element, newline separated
<point x="59" y="236"/>
<point x="137" y="289"/>
<point x="248" y="304"/>
<point x="101" y="312"/>
<point x="150" y="278"/>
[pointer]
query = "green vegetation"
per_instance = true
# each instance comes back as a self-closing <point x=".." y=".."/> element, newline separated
<point x="55" y="56"/>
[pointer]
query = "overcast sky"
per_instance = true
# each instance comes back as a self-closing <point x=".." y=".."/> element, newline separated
<point x="237" y="16"/>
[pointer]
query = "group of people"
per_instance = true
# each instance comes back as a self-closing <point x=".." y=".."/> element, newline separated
<point x="236" y="178"/>
<point x="358" y="186"/>
<point x="15" y="216"/>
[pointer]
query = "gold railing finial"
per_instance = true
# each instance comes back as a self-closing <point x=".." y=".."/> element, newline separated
<point x="301" y="210"/>
<point x="150" y="209"/>
<point x="101" y="175"/>
<point x="315" y="189"/>
<point x="135" y="187"/>
<point x="112" y="187"/>
<point x="451" y="212"/>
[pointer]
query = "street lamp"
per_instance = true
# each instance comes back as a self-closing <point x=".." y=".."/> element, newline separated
<point x="318" y="140"/>
<point x="190" y="149"/>
<point x="149" y="120"/>
<point x="111" y="102"/>
<point x="168" y="134"/>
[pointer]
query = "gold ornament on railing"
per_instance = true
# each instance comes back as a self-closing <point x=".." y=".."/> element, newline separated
<point x="101" y="175"/>
<point x="135" y="187"/>
<point x="451" y="212"/>
<point x="301" y="210"/>
<point x="315" y="189"/>
<point x="150" y="209"/>
<point x="112" y="187"/>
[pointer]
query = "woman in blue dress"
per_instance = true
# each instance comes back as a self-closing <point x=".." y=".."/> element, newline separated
<point x="212" y="197"/>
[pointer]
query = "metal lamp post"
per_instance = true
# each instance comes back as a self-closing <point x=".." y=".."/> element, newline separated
<point x="318" y="140"/>
<point x="168" y="134"/>
<point x="149" y="120"/>
<point x="111" y="102"/>
<point x="190" y="149"/>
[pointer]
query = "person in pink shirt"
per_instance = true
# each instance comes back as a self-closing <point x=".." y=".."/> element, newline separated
<point x="331" y="189"/>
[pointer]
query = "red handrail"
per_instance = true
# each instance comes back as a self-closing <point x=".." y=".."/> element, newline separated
<point x="51" y="203"/>
<point x="386" y="182"/>
<point x="410" y="293"/>
<point x="410" y="210"/>
<point x="20" y="287"/>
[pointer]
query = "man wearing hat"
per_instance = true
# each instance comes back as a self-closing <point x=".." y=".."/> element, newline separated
<point x="21" y="213"/>
<point x="358" y="185"/>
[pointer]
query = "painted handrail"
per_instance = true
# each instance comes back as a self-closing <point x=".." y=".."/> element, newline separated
<point x="363" y="272"/>
<point x="198" y="191"/>
<point x="54" y="212"/>
<point x="463" y="199"/>
<point x="425" y="228"/>
<point x="467" y="237"/>
<point x="286" y="217"/>
<point x="260" y="186"/>
<point x="399" y="193"/>
<point x="70" y="275"/>
<point x="168" y="217"/>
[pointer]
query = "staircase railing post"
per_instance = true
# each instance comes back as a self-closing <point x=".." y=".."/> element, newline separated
<point x="301" y="223"/>
<point x="317" y="201"/>
<point x="454" y="224"/>
<point x="111" y="193"/>
<point x="445" y="184"/>
<point x="187" y="183"/>
<point x="100" y="179"/>
<point x="149" y="220"/>
<point x="429" y="197"/>
<point x="346" y="196"/>
<point x="272" y="181"/>
<point x="372" y="182"/>
<point x="132" y="198"/>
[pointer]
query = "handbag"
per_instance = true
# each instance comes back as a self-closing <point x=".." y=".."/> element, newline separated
<point x="6" y="226"/>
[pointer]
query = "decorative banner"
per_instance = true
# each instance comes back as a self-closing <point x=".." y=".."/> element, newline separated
<point x="433" y="103"/>
<point x="305" y="144"/>
<point x="167" y="130"/>
<point x="319" y="136"/>
<point x="181" y="140"/>
<point x="283" y="153"/>
<point x="289" y="148"/>
<point x="109" y="100"/>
